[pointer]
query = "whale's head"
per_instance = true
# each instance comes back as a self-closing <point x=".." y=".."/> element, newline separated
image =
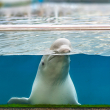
<point x="56" y="67"/>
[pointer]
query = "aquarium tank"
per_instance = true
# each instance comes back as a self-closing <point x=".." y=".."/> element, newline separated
<point x="21" y="49"/>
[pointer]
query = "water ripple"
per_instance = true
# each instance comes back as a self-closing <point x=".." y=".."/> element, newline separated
<point x="31" y="43"/>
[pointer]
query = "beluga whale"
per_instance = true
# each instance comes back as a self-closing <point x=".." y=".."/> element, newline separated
<point x="52" y="84"/>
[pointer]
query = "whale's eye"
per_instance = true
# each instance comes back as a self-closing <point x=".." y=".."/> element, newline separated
<point x="42" y="63"/>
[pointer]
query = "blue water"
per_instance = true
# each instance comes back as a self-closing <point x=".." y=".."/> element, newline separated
<point x="90" y="75"/>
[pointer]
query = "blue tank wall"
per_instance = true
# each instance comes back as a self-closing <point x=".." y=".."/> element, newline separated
<point x="17" y="74"/>
<point x="91" y="77"/>
<point x="90" y="74"/>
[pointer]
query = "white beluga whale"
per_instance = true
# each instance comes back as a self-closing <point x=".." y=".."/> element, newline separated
<point x="52" y="84"/>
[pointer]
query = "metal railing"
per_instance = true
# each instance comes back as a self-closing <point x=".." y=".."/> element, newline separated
<point x="53" y="27"/>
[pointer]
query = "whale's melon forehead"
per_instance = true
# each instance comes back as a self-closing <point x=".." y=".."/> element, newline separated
<point x="59" y="42"/>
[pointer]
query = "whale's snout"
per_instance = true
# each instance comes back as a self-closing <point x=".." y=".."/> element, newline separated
<point x="64" y="49"/>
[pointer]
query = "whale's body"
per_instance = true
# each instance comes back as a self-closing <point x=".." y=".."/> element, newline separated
<point x="52" y="84"/>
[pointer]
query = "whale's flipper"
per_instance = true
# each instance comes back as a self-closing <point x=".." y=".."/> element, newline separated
<point x="15" y="100"/>
<point x="79" y="104"/>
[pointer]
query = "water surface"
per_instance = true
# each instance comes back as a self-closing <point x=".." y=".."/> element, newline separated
<point x="31" y="42"/>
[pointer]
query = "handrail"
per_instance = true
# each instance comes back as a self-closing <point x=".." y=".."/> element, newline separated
<point x="53" y="27"/>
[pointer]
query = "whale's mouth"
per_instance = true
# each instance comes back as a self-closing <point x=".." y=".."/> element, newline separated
<point x="51" y="57"/>
<point x="55" y="52"/>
